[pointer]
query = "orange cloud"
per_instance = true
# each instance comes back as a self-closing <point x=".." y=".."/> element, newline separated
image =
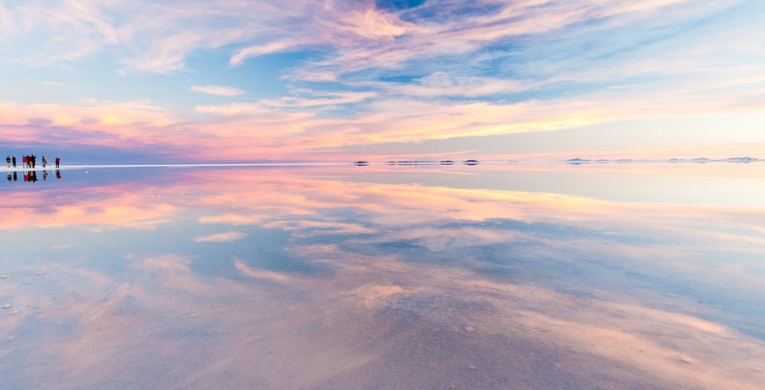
<point x="294" y="128"/>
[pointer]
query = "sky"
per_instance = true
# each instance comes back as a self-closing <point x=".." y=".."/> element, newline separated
<point x="133" y="81"/>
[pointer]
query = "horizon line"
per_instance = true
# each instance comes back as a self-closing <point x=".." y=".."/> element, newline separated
<point x="573" y="161"/>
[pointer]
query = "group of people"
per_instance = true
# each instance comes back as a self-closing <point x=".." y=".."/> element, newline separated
<point x="31" y="176"/>
<point x="30" y="161"/>
<point x="29" y="164"/>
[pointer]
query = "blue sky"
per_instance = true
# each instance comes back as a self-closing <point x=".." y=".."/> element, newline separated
<point x="232" y="79"/>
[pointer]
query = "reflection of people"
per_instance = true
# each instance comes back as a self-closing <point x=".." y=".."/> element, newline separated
<point x="15" y="176"/>
<point x="45" y="161"/>
<point x="45" y="175"/>
<point x="58" y="173"/>
<point x="8" y="161"/>
<point x="33" y="176"/>
<point x="58" y="162"/>
<point x="9" y="177"/>
<point x="14" y="161"/>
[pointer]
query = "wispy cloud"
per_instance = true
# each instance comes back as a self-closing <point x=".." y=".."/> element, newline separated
<point x="222" y="237"/>
<point x="296" y="127"/>
<point x="219" y="90"/>
<point x="258" y="50"/>
<point x="373" y="75"/>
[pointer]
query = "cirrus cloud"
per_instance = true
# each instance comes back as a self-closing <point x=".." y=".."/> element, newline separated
<point x="366" y="74"/>
<point x="219" y="90"/>
<point x="222" y="237"/>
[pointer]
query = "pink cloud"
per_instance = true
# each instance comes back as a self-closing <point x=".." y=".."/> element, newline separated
<point x="298" y="126"/>
<point x="364" y="110"/>
<point x="160" y="36"/>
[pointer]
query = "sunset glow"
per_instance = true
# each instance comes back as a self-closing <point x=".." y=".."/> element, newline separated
<point x="382" y="194"/>
<point x="182" y="81"/>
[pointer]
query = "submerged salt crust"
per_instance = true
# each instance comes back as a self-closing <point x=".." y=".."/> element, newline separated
<point x="384" y="277"/>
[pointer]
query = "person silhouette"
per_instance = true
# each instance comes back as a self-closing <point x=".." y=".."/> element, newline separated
<point x="58" y="162"/>
<point x="8" y="161"/>
<point x="14" y="161"/>
<point x="44" y="161"/>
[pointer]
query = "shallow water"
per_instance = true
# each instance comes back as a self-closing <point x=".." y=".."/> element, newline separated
<point x="523" y="277"/>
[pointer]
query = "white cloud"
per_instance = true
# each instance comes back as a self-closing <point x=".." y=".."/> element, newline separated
<point x="219" y="90"/>
<point x="433" y="72"/>
<point x="257" y="50"/>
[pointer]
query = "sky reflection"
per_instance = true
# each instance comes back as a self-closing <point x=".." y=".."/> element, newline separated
<point x="380" y="277"/>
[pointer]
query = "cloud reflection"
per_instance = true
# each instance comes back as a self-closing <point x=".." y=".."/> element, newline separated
<point x="437" y="284"/>
<point x="222" y="237"/>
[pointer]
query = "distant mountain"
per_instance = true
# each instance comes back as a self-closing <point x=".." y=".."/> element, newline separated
<point x="699" y="160"/>
<point x="741" y="159"/>
<point x="577" y="161"/>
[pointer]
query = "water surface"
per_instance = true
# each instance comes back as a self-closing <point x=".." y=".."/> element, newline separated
<point x="523" y="277"/>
